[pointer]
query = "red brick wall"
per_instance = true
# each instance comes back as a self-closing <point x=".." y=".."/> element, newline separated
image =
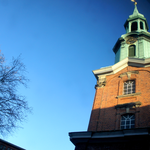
<point x="105" y="117"/>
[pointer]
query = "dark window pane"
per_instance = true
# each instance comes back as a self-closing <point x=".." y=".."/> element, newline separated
<point x="133" y="88"/>
<point x="128" y="122"/>
<point x="141" y="25"/>
<point x="131" y="50"/>
<point x="132" y="121"/>
<point x="129" y="91"/>
<point x="134" y="26"/>
<point x="122" y="122"/>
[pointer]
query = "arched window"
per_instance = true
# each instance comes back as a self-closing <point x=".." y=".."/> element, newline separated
<point x="129" y="87"/>
<point x="127" y="121"/>
<point x="131" y="50"/>
<point x="134" y="26"/>
<point x="141" y="25"/>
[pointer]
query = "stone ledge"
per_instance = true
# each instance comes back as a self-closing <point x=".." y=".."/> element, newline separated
<point x="129" y="95"/>
<point x="109" y="136"/>
<point x="128" y="105"/>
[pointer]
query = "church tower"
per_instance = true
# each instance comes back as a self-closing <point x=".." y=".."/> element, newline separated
<point x="120" y="116"/>
<point x="123" y="90"/>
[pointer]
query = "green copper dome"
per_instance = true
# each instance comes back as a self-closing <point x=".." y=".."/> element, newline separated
<point x="138" y="17"/>
<point x="136" y="42"/>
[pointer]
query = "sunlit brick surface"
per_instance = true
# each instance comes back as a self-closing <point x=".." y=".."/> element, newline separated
<point x="105" y="117"/>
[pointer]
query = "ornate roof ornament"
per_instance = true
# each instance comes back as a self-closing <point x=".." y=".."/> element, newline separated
<point x="135" y="3"/>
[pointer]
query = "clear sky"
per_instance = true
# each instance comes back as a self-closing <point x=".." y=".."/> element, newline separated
<point x="61" y="42"/>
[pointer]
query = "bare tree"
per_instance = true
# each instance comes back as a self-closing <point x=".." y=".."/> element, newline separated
<point x="13" y="107"/>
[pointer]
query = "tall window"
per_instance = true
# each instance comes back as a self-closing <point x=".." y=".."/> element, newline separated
<point x="134" y="26"/>
<point x="131" y="50"/>
<point x="141" y="25"/>
<point x="129" y="87"/>
<point x="127" y="121"/>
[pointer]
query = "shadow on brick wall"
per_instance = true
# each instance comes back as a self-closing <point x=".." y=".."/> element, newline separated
<point x="109" y="118"/>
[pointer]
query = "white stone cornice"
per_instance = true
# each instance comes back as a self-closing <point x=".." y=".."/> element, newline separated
<point x="135" y="62"/>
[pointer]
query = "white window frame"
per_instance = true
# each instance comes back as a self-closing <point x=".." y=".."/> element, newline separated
<point x="127" y="121"/>
<point x="129" y="87"/>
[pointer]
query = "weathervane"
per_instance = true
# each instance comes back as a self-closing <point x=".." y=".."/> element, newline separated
<point x="135" y="3"/>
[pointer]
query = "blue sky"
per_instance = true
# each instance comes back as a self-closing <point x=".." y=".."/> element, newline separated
<point x="61" y="42"/>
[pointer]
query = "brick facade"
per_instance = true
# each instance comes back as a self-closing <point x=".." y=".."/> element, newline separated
<point x="105" y="116"/>
<point x="120" y="120"/>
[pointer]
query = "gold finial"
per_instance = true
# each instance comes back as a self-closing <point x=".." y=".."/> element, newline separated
<point x="135" y="3"/>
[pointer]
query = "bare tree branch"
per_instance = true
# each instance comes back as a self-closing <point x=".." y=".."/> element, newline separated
<point x="13" y="107"/>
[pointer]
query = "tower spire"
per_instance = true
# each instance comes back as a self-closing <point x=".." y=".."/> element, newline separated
<point x="135" y="12"/>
